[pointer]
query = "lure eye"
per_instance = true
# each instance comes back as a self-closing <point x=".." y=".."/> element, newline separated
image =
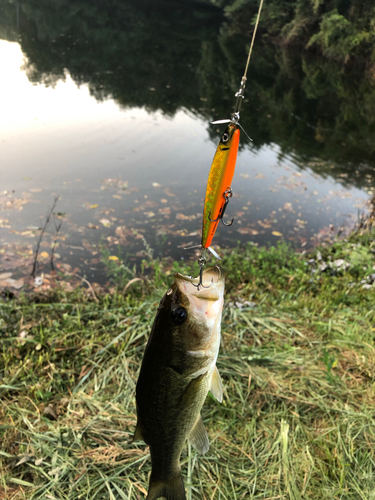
<point x="225" y="137"/>
<point x="179" y="315"/>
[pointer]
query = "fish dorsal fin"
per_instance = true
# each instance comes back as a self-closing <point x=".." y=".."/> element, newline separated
<point x="198" y="436"/>
<point x="216" y="385"/>
<point x="138" y="433"/>
<point x="171" y="488"/>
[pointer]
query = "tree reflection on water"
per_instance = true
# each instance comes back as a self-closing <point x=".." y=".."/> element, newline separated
<point x="167" y="56"/>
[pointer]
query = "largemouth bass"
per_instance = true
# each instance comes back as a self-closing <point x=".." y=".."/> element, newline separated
<point x="178" y="370"/>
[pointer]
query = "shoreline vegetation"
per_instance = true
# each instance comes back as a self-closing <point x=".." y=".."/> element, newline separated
<point x="297" y="362"/>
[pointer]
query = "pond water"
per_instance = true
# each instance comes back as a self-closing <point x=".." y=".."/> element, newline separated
<point x="131" y="177"/>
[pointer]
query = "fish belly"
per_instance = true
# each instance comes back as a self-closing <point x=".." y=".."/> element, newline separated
<point x="168" y="407"/>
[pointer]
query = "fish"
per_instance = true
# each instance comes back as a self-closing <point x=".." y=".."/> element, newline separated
<point x="218" y="190"/>
<point x="177" y="371"/>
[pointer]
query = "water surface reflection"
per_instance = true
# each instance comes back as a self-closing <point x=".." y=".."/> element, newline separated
<point x="112" y="113"/>
<point x="129" y="175"/>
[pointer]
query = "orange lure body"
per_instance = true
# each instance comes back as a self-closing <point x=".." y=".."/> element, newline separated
<point x="219" y="181"/>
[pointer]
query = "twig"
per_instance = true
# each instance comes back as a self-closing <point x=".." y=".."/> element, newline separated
<point x="46" y="223"/>
<point x="58" y="228"/>
<point x="130" y="283"/>
<point x="89" y="285"/>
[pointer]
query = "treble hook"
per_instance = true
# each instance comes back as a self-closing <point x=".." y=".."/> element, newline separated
<point x="228" y="193"/>
<point x="201" y="262"/>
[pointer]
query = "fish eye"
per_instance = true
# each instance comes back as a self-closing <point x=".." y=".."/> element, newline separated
<point x="179" y="315"/>
<point x="225" y="137"/>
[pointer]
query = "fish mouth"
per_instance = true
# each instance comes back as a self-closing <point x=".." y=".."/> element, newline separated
<point x="205" y="304"/>
<point x="213" y="284"/>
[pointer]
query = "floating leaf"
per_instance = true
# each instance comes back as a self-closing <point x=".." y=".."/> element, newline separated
<point x="168" y="192"/>
<point x="248" y="230"/>
<point x="266" y="224"/>
<point x="276" y="233"/>
<point x="17" y="284"/>
<point x="288" y="207"/>
<point x="16" y="203"/>
<point x="4" y="222"/>
<point x="5" y="276"/>
<point x="165" y="211"/>
<point x="113" y="257"/>
<point x="105" y="222"/>
<point x="118" y="183"/>
<point x="94" y="206"/>
<point x="44" y="255"/>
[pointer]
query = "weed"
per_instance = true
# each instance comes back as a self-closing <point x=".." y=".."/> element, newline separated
<point x="330" y="362"/>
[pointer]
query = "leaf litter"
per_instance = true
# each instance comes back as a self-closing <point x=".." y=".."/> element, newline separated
<point x="155" y="216"/>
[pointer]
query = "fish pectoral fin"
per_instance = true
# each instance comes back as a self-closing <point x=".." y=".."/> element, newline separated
<point x="216" y="388"/>
<point x="192" y="389"/>
<point x="198" y="436"/>
<point x="138" y="433"/>
<point x="171" y="489"/>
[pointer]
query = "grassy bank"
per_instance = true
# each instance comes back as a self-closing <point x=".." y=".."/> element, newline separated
<point x="297" y="362"/>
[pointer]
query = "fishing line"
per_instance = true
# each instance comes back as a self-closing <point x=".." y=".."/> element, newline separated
<point x="252" y="41"/>
<point x="240" y="94"/>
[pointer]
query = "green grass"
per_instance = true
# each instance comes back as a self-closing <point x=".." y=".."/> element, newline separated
<point x="297" y="362"/>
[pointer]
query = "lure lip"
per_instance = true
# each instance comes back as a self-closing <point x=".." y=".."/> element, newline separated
<point x="210" y="249"/>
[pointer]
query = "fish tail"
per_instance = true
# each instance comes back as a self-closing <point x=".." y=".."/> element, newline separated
<point x="172" y="488"/>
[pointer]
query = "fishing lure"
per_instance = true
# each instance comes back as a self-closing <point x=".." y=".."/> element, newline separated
<point x="218" y="191"/>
